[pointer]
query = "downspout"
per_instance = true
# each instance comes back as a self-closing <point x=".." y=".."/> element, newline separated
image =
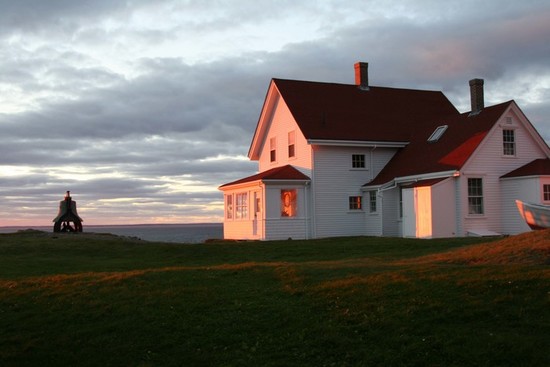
<point x="306" y="205"/>
<point x="313" y="196"/>
<point x="372" y="162"/>
<point x="263" y="207"/>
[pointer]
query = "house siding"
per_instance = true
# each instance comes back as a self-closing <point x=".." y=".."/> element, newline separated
<point x="282" y="122"/>
<point x="444" y="209"/>
<point x="245" y="228"/>
<point x="391" y="222"/>
<point x="489" y="163"/>
<point x="278" y="227"/>
<point x="335" y="180"/>
<point x="525" y="189"/>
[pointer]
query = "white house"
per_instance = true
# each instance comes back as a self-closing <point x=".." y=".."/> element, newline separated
<point x="346" y="160"/>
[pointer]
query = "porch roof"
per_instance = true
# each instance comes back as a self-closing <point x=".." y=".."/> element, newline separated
<point x="287" y="172"/>
<point x="538" y="167"/>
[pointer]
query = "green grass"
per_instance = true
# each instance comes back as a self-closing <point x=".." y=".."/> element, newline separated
<point x="100" y="300"/>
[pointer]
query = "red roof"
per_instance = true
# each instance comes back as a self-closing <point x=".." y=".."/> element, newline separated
<point x="463" y="135"/>
<point x="331" y="111"/>
<point x="278" y="173"/>
<point x="538" y="167"/>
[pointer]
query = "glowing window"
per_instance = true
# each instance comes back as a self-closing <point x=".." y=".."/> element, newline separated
<point x="291" y="144"/>
<point x="241" y="206"/>
<point x="229" y="206"/>
<point x="288" y="203"/>
<point x="438" y="133"/>
<point x="355" y="203"/>
<point x="273" y="149"/>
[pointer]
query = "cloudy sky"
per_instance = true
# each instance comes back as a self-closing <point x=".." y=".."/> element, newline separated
<point x="143" y="108"/>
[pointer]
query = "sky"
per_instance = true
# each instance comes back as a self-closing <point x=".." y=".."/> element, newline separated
<point x="143" y="108"/>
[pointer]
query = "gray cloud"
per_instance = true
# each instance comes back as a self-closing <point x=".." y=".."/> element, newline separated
<point x="91" y="102"/>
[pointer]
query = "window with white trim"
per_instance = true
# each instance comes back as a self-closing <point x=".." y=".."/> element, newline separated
<point x="272" y="149"/>
<point x="475" y="196"/>
<point x="508" y="142"/>
<point x="241" y="205"/>
<point x="288" y="203"/>
<point x="546" y="192"/>
<point x="291" y="144"/>
<point x="229" y="206"/>
<point x="372" y="201"/>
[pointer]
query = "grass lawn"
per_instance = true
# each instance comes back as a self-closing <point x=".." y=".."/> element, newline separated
<point x="101" y="300"/>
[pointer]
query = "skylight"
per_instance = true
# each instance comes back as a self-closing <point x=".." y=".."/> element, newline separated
<point x="437" y="134"/>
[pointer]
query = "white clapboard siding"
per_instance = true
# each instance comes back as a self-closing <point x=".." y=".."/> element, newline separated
<point x="489" y="163"/>
<point x="334" y="181"/>
<point x="282" y="122"/>
<point x="391" y="223"/>
<point x="444" y="208"/>
<point x="526" y="189"/>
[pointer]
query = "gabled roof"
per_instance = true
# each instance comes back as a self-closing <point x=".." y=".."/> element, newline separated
<point x="329" y="111"/>
<point x="450" y="152"/>
<point x="538" y="167"/>
<point x="286" y="173"/>
<point x="336" y="112"/>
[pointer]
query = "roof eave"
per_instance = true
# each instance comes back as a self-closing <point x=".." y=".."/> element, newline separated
<point x="359" y="143"/>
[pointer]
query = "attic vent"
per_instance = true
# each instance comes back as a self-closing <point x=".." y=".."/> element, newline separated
<point x="437" y="134"/>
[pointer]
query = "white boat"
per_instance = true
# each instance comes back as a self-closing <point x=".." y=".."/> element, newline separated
<point x="537" y="216"/>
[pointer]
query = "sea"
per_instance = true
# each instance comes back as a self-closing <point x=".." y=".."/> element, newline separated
<point x="177" y="233"/>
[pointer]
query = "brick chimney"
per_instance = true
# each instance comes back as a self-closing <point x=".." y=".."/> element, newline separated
<point x="362" y="75"/>
<point x="476" y="96"/>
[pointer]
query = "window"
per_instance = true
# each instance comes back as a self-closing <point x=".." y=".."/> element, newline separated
<point x="241" y="206"/>
<point x="508" y="142"/>
<point x="358" y="161"/>
<point x="546" y="192"/>
<point x="288" y="203"/>
<point x="355" y="203"/>
<point x="475" y="196"/>
<point x="372" y="201"/>
<point x="291" y="144"/>
<point x="273" y="149"/>
<point x="229" y="206"/>
<point x="437" y="134"/>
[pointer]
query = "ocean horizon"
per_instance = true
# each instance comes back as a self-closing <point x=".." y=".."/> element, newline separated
<point x="176" y="233"/>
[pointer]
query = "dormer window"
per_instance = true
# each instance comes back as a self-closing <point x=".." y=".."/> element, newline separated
<point x="437" y="134"/>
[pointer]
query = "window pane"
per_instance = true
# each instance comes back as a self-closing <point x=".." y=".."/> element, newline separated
<point x="372" y="199"/>
<point x="355" y="203"/>
<point x="273" y="149"/>
<point x="288" y="203"/>
<point x="241" y="206"/>
<point x="291" y="138"/>
<point x="546" y="191"/>
<point x="475" y="196"/>
<point x="358" y="161"/>
<point x="229" y="206"/>
<point x="508" y="142"/>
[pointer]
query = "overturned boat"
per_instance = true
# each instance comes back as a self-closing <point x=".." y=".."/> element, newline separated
<point x="537" y="216"/>
<point x="67" y="215"/>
